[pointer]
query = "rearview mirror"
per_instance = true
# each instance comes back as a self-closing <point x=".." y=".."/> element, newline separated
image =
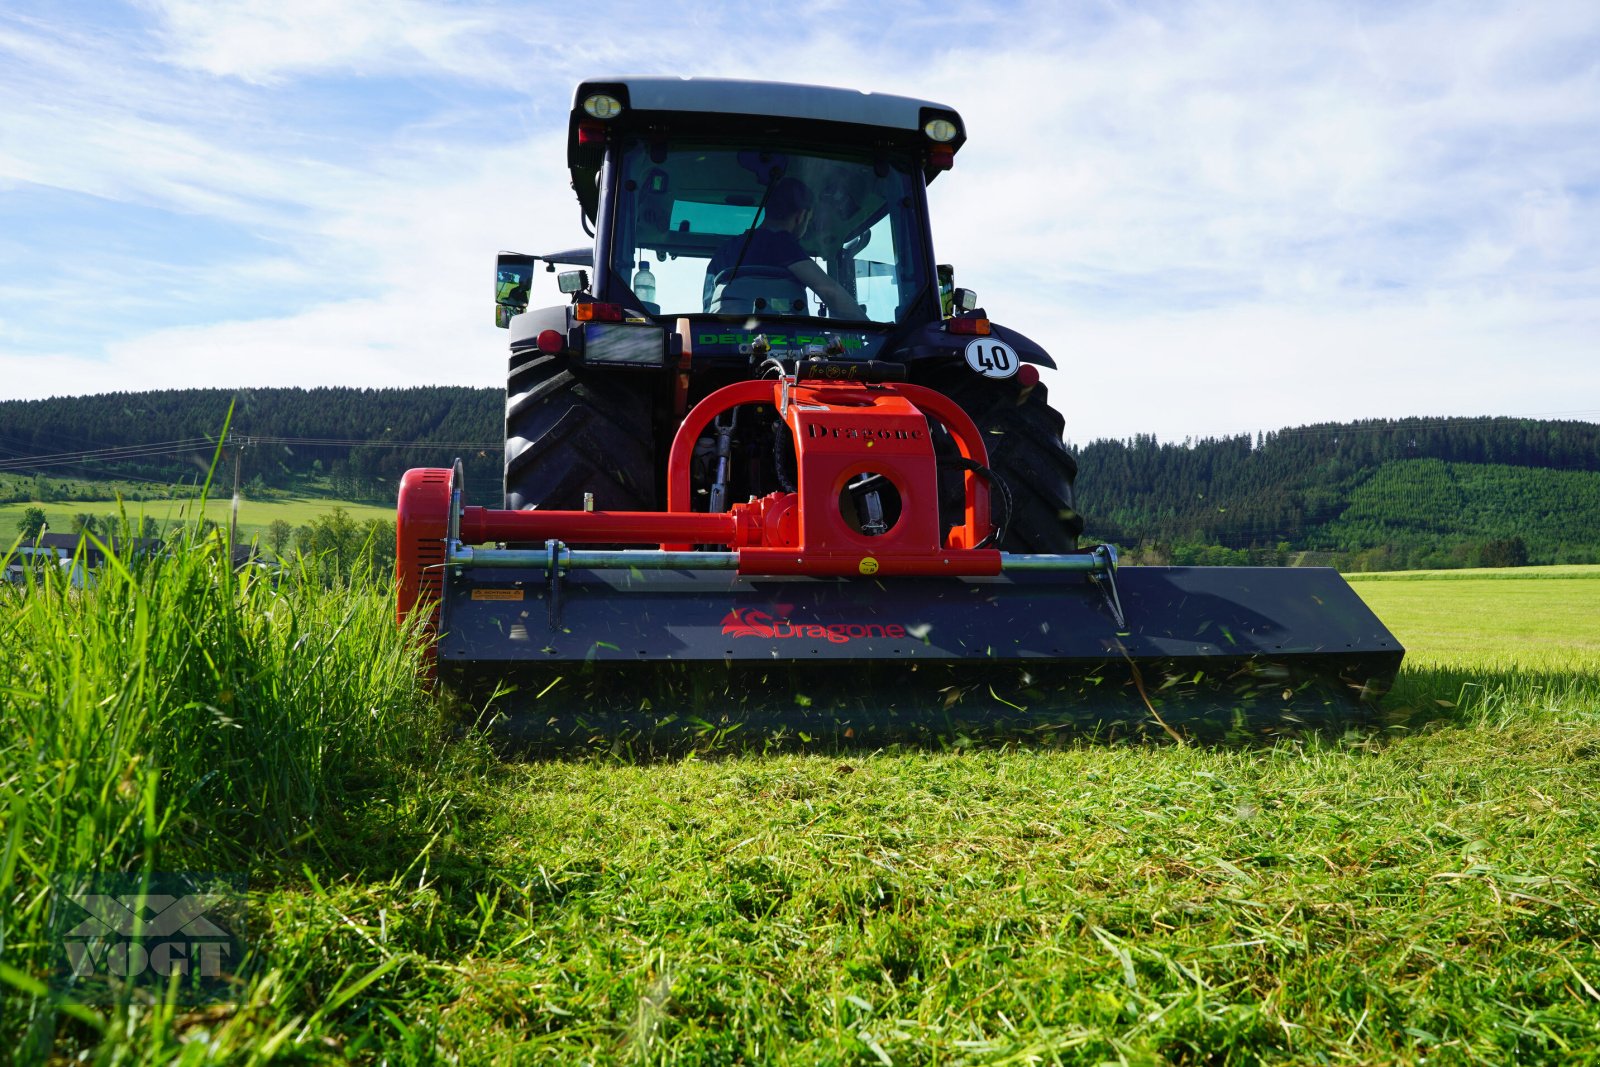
<point x="513" y="276"/>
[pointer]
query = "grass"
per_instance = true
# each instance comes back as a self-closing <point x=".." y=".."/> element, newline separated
<point x="1471" y="574"/>
<point x="1427" y="892"/>
<point x="1548" y="619"/>
<point x="254" y="515"/>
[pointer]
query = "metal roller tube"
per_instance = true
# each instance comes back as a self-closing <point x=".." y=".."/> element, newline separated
<point x="587" y="559"/>
<point x="1100" y="561"/>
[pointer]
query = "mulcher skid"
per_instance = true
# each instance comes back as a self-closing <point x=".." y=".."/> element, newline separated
<point x="845" y="607"/>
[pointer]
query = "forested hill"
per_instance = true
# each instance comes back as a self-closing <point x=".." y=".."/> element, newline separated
<point x="1410" y="492"/>
<point x="356" y="441"/>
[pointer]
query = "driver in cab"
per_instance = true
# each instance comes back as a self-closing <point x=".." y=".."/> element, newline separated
<point x="775" y="245"/>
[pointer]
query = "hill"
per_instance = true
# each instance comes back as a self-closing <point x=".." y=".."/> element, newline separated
<point x="1369" y="495"/>
<point x="1379" y="493"/>
<point x="349" y="443"/>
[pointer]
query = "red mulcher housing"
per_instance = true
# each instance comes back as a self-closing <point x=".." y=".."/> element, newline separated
<point x="907" y="549"/>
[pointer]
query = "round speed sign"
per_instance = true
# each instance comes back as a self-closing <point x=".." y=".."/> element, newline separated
<point x="992" y="358"/>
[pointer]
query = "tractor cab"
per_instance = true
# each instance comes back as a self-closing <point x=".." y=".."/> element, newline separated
<point x="694" y="224"/>
<point x="744" y="208"/>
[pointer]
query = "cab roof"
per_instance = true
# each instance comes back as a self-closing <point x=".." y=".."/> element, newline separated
<point x="732" y="105"/>
<point x="733" y="96"/>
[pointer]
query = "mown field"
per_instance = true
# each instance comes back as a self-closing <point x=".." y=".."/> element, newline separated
<point x="1426" y="890"/>
<point x="1524" y="617"/>
<point x="254" y="515"/>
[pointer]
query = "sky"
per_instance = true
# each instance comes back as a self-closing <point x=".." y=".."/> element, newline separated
<point x="1219" y="217"/>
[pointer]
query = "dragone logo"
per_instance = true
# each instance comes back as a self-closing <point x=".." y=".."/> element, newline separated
<point x="750" y="623"/>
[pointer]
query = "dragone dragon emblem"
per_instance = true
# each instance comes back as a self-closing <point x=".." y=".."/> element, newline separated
<point x="747" y="623"/>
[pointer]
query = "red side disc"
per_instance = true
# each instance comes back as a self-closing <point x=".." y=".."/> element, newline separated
<point x="422" y="521"/>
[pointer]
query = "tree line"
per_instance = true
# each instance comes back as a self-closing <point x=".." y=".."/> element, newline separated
<point x="1367" y="495"/>
<point x="355" y="443"/>
<point x="1407" y="492"/>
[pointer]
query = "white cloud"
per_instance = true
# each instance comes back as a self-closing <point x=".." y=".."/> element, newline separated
<point x="1218" y="217"/>
<point x="408" y="297"/>
<point x="266" y="43"/>
<point x="1240" y="369"/>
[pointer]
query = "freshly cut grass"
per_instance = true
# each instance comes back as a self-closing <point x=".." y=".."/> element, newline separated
<point x="1428" y="892"/>
<point x="1154" y="905"/>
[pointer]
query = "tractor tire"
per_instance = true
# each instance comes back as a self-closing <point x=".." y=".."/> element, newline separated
<point x="1023" y="438"/>
<point x="572" y="430"/>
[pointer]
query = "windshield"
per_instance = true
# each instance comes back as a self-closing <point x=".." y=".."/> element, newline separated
<point x="714" y="228"/>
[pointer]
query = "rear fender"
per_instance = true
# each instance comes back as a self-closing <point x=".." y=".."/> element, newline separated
<point x="933" y="341"/>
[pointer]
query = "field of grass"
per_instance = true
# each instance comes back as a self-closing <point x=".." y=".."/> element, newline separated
<point x="254" y="515"/>
<point x="1505" y="574"/>
<point x="1422" y="892"/>
<point x="1543" y="618"/>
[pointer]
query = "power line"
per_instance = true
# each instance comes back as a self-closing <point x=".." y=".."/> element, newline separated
<point x="107" y="455"/>
<point x="195" y="444"/>
<point x="342" y="442"/>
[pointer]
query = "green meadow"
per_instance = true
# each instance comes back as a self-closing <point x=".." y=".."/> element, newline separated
<point x="1425" y="889"/>
<point x="254" y="515"/>
<point x="1521" y="618"/>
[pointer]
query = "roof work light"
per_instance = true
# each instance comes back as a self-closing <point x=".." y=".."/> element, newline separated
<point x="602" y="106"/>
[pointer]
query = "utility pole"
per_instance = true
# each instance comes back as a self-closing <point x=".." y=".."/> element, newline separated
<point x="233" y="520"/>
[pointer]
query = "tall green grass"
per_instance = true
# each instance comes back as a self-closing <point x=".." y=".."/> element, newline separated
<point x="178" y="715"/>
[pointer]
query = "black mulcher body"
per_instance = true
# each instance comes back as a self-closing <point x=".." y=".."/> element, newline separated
<point x="768" y="460"/>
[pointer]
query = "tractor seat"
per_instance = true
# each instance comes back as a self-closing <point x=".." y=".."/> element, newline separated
<point x="757" y="289"/>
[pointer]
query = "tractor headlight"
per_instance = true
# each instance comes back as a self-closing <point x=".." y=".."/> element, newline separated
<point x="602" y="106"/>
<point x="940" y="130"/>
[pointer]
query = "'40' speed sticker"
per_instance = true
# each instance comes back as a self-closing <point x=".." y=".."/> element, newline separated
<point x="991" y="358"/>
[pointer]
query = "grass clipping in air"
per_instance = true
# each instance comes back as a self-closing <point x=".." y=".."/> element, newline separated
<point x="1426" y="891"/>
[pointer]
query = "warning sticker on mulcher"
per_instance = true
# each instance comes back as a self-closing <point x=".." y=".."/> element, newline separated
<point x="991" y="358"/>
<point x="497" y="594"/>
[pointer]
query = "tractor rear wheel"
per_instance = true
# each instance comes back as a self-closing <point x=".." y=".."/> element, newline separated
<point x="572" y="430"/>
<point x="1023" y="438"/>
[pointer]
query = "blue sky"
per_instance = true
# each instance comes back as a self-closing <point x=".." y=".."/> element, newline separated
<point x="1219" y="217"/>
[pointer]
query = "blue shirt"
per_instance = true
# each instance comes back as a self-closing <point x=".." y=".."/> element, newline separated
<point x="767" y="248"/>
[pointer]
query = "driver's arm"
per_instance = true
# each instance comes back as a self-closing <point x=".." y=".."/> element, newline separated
<point x="839" y="302"/>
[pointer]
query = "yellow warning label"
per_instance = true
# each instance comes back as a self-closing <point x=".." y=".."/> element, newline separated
<point x="869" y="566"/>
<point x="497" y="594"/>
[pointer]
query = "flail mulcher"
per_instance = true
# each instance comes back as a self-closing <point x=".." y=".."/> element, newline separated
<point x="769" y="462"/>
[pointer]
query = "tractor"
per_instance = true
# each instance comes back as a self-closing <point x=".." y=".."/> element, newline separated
<point x="765" y="453"/>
